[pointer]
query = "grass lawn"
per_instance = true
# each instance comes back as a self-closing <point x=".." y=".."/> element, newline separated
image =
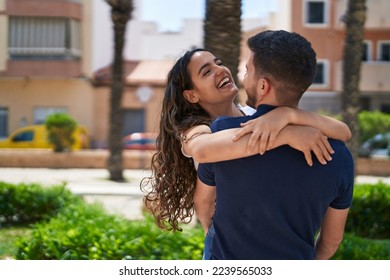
<point x="8" y="236"/>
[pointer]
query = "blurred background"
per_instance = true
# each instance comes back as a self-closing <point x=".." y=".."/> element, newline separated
<point x="55" y="56"/>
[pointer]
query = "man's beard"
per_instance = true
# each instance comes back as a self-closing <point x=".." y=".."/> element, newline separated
<point x="251" y="97"/>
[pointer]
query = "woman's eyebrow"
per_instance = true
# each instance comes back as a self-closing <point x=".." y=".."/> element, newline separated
<point x="203" y="66"/>
<point x="208" y="64"/>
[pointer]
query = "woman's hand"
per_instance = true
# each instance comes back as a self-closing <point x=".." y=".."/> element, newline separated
<point x="308" y="139"/>
<point x="264" y="129"/>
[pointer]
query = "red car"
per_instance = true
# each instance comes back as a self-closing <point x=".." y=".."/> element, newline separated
<point x="140" y="141"/>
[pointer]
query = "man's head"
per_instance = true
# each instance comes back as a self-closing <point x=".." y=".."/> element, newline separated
<point x="280" y="68"/>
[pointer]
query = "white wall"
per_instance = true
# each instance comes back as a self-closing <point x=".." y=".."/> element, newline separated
<point x="143" y="40"/>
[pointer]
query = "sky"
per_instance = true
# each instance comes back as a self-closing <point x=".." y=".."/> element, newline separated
<point x="170" y="13"/>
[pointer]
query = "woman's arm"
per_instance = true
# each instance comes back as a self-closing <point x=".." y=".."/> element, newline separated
<point x="205" y="146"/>
<point x="267" y="127"/>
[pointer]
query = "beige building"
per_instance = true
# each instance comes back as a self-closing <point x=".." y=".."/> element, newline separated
<point x="321" y="21"/>
<point x="44" y="62"/>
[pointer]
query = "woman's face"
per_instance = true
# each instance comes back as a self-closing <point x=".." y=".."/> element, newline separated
<point x="213" y="82"/>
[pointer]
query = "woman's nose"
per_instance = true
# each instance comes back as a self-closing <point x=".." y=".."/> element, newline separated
<point x="219" y="69"/>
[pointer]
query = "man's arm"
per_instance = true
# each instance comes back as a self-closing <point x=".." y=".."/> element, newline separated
<point x="331" y="233"/>
<point x="204" y="202"/>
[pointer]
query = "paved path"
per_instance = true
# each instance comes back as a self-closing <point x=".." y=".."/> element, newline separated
<point x="93" y="185"/>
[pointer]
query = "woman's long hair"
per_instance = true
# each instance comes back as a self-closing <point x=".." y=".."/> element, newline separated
<point x="170" y="189"/>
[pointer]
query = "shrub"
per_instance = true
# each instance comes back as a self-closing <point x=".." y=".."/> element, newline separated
<point x="86" y="231"/>
<point x="372" y="123"/>
<point x="29" y="203"/>
<point x="60" y="128"/>
<point x="358" y="248"/>
<point x="369" y="215"/>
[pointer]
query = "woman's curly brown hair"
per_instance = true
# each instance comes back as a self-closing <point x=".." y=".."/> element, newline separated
<point x="170" y="189"/>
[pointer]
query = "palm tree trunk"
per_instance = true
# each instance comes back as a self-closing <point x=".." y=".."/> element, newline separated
<point x="352" y="57"/>
<point x="222" y="31"/>
<point x="120" y="15"/>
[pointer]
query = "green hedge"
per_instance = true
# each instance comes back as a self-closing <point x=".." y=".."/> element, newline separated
<point x="372" y="123"/>
<point x="358" y="248"/>
<point x="87" y="232"/>
<point x="369" y="215"/>
<point x="29" y="203"/>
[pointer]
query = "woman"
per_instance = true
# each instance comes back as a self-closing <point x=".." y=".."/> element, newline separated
<point x="199" y="89"/>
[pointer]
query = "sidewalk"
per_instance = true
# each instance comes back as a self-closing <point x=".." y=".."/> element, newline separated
<point x="93" y="185"/>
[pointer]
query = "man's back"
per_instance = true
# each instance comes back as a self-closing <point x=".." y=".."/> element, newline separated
<point x="271" y="206"/>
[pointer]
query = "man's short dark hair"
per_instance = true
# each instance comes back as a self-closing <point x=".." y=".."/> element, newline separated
<point x="287" y="59"/>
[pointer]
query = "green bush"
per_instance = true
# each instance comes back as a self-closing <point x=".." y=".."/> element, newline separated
<point x="60" y="128"/>
<point x="372" y="123"/>
<point x="369" y="215"/>
<point x="85" y="231"/>
<point x="358" y="248"/>
<point x="29" y="203"/>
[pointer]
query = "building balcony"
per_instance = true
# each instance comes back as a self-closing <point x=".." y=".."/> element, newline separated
<point x="43" y="68"/>
<point x="53" y="8"/>
<point x="374" y="76"/>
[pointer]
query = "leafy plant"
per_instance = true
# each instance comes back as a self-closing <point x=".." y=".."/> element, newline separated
<point x="372" y="123"/>
<point x="358" y="248"/>
<point x="29" y="203"/>
<point x="369" y="215"/>
<point x="60" y="129"/>
<point x="86" y="231"/>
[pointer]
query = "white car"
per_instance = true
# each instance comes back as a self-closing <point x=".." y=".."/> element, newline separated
<point x="376" y="147"/>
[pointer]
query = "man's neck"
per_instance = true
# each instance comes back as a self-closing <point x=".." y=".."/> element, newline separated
<point x="230" y="110"/>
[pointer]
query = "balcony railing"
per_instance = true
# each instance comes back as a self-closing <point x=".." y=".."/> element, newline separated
<point x="374" y="76"/>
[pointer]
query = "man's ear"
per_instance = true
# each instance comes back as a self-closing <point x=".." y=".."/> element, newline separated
<point x="263" y="86"/>
<point x="191" y="96"/>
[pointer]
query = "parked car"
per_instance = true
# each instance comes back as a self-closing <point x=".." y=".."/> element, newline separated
<point x="35" y="136"/>
<point x="376" y="147"/>
<point x="140" y="141"/>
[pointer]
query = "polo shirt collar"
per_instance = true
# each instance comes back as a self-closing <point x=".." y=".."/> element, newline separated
<point x="263" y="109"/>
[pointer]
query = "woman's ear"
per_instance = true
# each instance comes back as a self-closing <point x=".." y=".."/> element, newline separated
<point x="191" y="96"/>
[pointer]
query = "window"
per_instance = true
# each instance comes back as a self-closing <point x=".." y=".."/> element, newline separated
<point x="366" y="55"/>
<point x="3" y="122"/>
<point x="385" y="108"/>
<point x="321" y="76"/>
<point x="41" y="113"/>
<point x="49" y="38"/>
<point x="315" y="12"/>
<point x="384" y="50"/>
<point x="24" y="136"/>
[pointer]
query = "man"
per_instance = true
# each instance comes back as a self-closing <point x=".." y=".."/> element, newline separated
<point x="271" y="206"/>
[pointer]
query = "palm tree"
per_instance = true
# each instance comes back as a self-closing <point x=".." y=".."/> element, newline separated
<point x="120" y="15"/>
<point x="222" y="31"/>
<point x="352" y="56"/>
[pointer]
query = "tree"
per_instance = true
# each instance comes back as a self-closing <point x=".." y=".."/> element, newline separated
<point x="222" y="31"/>
<point x="352" y="57"/>
<point x="60" y="128"/>
<point x="120" y="15"/>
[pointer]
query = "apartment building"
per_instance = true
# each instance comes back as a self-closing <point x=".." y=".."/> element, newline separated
<point x="321" y="21"/>
<point x="44" y="62"/>
<point x="48" y="50"/>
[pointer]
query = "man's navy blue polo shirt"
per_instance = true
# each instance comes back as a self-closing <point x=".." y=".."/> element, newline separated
<point x="271" y="206"/>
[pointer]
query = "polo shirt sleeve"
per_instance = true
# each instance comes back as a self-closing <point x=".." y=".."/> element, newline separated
<point x="206" y="174"/>
<point x="347" y="178"/>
